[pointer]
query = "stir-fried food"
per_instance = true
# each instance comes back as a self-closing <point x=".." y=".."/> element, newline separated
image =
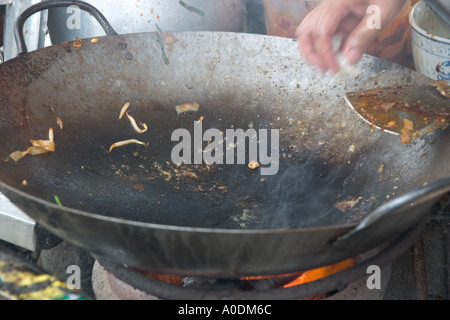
<point x="348" y="204"/>
<point x="253" y="165"/>
<point x="59" y="122"/>
<point x="124" y="110"/>
<point x="408" y="125"/>
<point x="187" y="107"/>
<point x="126" y="142"/>
<point x="38" y="147"/>
<point x="78" y="43"/>
<point x="135" y="126"/>
<point x="405" y="135"/>
<point x="443" y="87"/>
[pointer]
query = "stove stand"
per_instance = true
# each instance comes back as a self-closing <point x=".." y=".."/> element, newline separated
<point x="413" y="268"/>
<point x="347" y="284"/>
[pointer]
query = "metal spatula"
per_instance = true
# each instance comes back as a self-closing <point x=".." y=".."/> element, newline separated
<point x="407" y="110"/>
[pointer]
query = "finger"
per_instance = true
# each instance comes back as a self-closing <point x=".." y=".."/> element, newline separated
<point x="323" y="44"/>
<point x="348" y="25"/>
<point x="307" y="48"/>
<point x="358" y="41"/>
<point x="327" y="54"/>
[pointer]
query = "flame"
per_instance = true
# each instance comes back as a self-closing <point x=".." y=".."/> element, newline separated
<point x="315" y="274"/>
<point x="167" y="278"/>
<point x="297" y="278"/>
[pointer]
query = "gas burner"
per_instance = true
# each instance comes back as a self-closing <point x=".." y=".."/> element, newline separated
<point x="108" y="287"/>
<point x="349" y="280"/>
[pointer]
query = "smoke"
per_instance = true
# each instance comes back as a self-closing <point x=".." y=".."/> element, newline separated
<point x="305" y="195"/>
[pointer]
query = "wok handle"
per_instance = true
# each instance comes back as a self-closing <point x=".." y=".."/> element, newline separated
<point x="397" y="216"/>
<point x="18" y="30"/>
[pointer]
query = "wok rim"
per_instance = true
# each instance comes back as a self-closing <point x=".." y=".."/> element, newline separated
<point x="164" y="227"/>
<point x="389" y="206"/>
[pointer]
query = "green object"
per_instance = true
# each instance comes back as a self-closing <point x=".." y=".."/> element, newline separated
<point x="58" y="202"/>
<point x="161" y="44"/>
<point x="190" y="8"/>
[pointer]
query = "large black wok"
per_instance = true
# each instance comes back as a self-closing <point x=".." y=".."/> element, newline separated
<point x="342" y="187"/>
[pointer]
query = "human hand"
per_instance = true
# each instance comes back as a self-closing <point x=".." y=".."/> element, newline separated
<point x="348" y="19"/>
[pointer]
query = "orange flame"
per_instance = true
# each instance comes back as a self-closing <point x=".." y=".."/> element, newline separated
<point x="319" y="273"/>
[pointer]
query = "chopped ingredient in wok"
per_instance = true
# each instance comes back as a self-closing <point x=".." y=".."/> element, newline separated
<point x="253" y="165"/>
<point x="169" y="39"/>
<point x="387" y="106"/>
<point x="344" y="205"/>
<point x="352" y="148"/>
<point x="77" y="43"/>
<point x="405" y="137"/>
<point x="59" y="123"/>
<point x="58" y="202"/>
<point x="405" y="134"/>
<point x="38" y="147"/>
<point x="408" y="124"/>
<point x="126" y="142"/>
<point x="443" y="87"/>
<point x="135" y="126"/>
<point x="190" y="174"/>
<point x="391" y="124"/>
<point x="123" y="110"/>
<point x="190" y="8"/>
<point x="139" y="187"/>
<point x="187" y="107"/>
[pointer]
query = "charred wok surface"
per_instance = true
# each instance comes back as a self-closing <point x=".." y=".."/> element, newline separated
<point x="334" y="169"/>
<point x="143" y="184"/>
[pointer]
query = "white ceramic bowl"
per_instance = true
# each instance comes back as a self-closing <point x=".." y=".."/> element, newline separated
<point x="430" y="42"/>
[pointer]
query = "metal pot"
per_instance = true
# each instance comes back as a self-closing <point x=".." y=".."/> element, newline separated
<point x="133" y="16"/>
<point x="431" y="42"/>
<point x="342" y="186"/>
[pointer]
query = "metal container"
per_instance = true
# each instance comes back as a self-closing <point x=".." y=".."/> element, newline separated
<point x="132" y="16"/>
<point x="35" y="28"/>
<point x="431" y="42"/>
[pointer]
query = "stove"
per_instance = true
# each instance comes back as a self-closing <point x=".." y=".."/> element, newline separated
<point x="412" y="267"/>
<point x="108" y="287"/>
